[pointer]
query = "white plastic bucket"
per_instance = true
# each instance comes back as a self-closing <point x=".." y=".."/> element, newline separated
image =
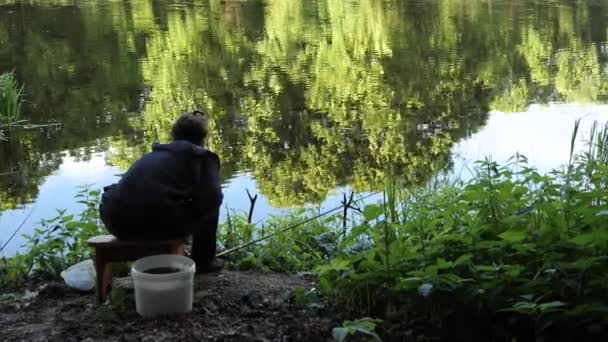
<point x="163" y="294"/>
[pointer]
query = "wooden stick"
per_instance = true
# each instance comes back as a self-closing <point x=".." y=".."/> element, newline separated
<point x="251" y="205"/>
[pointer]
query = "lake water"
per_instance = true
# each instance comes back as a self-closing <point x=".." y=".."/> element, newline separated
<point x="306" y="99"/>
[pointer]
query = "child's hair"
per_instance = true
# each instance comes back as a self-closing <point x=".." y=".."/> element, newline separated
<point x="191" y="127"/>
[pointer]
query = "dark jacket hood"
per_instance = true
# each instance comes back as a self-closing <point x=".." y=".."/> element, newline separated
<point x="182" y="146"/>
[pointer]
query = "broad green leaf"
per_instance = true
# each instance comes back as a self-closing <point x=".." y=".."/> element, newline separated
<point x="442" y="264"/>
<point x="463" y="259"/>
<point x="67" y="218"/>
<point x="513" y="236"/>
<point x="364" y="330"/>
<point x="581" y="264"/>
<point x="514" y="271"/>
<point x="364" y="326"/>
<point x="358" y="230"/>
<point x="372" y="212"/>
<point x="527" y="297"/>
<point x="584" y="239"/>
<point x="325" y="285"/>
<point x="73" y="224"/>
<point x="340" y="264"/>
<point x="452" y="279"/>
<point x="550" y="306"/>
<point x="410" y="283"/>
<point x="366" y="323"/>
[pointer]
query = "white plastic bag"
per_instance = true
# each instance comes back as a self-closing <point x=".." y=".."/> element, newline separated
<point x="80" y="276"/>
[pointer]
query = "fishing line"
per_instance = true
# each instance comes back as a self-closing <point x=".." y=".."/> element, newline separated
<point x="17" y="230"/>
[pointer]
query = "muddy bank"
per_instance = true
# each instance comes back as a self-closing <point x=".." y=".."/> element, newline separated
<point x="228" y="306"/>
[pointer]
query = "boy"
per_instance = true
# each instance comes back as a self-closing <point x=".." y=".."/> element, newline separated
<point x="173" y="191"/>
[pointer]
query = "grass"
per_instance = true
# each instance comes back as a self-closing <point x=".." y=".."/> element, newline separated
<point x="11" y="97"/>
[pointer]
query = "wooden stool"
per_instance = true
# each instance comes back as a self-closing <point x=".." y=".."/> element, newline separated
<point x="109" y="249"/>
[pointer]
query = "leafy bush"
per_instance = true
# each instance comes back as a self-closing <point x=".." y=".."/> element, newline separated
<point x="511" y="253"/>
<point x="58" y="243"/>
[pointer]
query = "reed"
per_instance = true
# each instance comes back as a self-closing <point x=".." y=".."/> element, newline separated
<point x="11" y="98"/>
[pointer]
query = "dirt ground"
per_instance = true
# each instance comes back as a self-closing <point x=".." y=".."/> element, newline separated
<point x="228" y="306"/>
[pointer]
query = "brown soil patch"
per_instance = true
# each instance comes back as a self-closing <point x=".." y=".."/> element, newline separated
<point x="229" y="306"/>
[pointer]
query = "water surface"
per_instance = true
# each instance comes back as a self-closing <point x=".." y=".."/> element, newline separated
<point x="305" y="98"/>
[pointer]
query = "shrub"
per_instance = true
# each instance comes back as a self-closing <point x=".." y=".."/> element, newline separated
<point x="57" y="243"/>
<point x="510" y="254"/>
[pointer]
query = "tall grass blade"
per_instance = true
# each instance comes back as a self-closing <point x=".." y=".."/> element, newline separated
<point x="598" y="151"/>
<point x="11" y="98"/>
<point x="577" y="125"/>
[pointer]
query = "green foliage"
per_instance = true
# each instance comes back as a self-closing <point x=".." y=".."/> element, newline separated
<point x="522" y="251"/>
<point x="301" y="296"/>
<point x="120" y="305"/>
<point x="296" y="250"/>
<point x="14" y="270"/>
<point x="310" y="95"/>
<point x="508" y="241"/>
<point x="364" y="327"/>
<point x="509" y="246"/>
<point x="10" y="99"/>
<point x="58" y="243"/>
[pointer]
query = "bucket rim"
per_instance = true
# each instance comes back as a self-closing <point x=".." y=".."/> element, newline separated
<point x="189" y="268"/>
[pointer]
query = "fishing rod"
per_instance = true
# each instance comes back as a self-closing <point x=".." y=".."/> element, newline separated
<point x="345" y="205"/>
<point x="17" y="230"/>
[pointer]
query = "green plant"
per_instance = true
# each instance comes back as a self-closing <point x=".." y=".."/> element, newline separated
<point x="522" y="252"/>
<point x="11" y="95"/>
<point x="61" y="240"/>
<point x="365" y="327"/>
<point x="57" y="243"/>
<point x="510" y="253"/>
<point x="511" y="247"/>
<point x="14" y="270"/>
<point x="300" y="249"/>
<point x="117" y="308"/>
<point x="302" y="296"/>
